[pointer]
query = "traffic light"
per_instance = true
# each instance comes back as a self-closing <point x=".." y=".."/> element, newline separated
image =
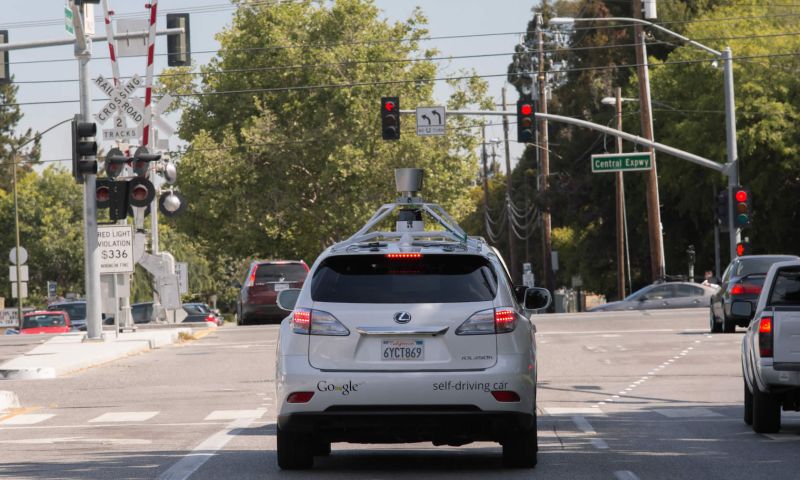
<point x="390" y="118"/>
<point x="141" y="161"/>
<point x="115" y="163"/>
<point x="83" y="145"/>
<point x="742" y="207"/>
<point x="5" y="73"/>
<point x="113" y="195"/>
<point x="179" y="51"/>
<point x="722" y="210"/>
<point x="743" y="248"/>
<point x="526" y="111"/>
<point x="140" y="192"/>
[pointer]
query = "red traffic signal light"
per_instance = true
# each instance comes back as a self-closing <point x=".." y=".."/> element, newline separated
<point x="525" y="121"/>
<point x="743" y="207"/>
<point x="390" y="118"/>
<point x="140" y="192"/>
<point x="741" y="195"/>
<point x="742" y="248"/>
<point x="113" y="195"/>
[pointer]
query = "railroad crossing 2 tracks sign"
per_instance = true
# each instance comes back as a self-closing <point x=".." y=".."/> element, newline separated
<point x="622" y="162"/>
<point x="430" y="121"/>
<point x="122" y="100"/>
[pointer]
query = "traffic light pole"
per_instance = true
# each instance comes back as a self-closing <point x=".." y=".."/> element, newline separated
<point x="83" y="53"/>
<point x="735" y="235"/>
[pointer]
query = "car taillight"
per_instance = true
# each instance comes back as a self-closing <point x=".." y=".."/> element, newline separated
<point x="299" y="397"/>
<point x="505" y="396"/>
<point x="765" y="336"/>
<point x="210" y="318"/>
<point x="493" y="320"/>
<point x="745" y="289"/>
<point x="404" y="256"/>
<point x="252" y="279"/>
<point x="316" y="322"/>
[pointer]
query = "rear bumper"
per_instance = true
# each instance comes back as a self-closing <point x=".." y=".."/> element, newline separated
<point x="408" y="423"/>
<point x="263" y="310"/>
<point x="775" y="377"/>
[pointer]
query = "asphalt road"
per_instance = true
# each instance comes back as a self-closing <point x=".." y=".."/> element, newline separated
<point x="621" y="396"/>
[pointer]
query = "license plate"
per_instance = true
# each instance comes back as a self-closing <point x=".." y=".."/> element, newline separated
<point x="403" y="350"/>
<point x="281" y="286"/>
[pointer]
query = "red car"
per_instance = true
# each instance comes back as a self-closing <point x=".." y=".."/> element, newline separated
<point x="258" y="297"/>
<point x="45" y="322"/>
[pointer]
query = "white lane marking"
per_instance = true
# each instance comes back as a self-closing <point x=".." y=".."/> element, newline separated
<point x="625" y="475"/>
<point x="583" y="424"/>
<point x="783" y="437"/>
<point x="596" y="332"/>
<point x="573" y="411"/>
<point x="686" y="412"/>
<point x="235" y="414"/>
<point x="599" y="444"/>
<point x="119" y="425"/>
<point x="103" y="441"/>
<point x="189" y="464"/>
<point x="124" y="417"/>
<point x="27" y="419"/>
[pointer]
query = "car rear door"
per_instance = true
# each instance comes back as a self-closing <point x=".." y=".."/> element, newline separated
<point x="403" y="313"/>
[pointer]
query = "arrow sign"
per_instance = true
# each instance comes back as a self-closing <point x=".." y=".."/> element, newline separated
<point x="425" y="121"/>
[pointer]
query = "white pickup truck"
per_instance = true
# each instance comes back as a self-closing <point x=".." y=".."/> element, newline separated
<point x="771" y="350"/>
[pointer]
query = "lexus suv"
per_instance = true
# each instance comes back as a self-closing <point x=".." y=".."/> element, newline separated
<point x="261" y="286"/>
<point x="407" y="336"/>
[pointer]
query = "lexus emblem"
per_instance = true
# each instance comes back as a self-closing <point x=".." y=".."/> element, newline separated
<point x="402" y="317"/>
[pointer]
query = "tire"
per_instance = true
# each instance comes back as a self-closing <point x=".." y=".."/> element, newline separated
<point x="728" y="325"/>
<point x="715" y="327"/>
<point x="748" y="405"/>
<point x="766" y="412"/>
<point x="520" y="449"/>
<point x="322" y="449"/>
<point x="293" y="450"/>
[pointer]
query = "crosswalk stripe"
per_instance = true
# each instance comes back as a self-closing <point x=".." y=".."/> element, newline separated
<point x="235" y="414"/>
<point x="27" y="419"/>
<point x="123" y="417"/>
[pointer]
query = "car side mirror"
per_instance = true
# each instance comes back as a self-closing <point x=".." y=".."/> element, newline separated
<point x="288" y="298"/>
<point x="537" y="298"/>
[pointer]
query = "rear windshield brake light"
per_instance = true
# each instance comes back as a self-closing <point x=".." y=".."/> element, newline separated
<point x="745" y="289"/>
<point x="404" y="256"/>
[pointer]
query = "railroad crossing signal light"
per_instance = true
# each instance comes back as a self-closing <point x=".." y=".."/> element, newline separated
<point x="140" y="192"/>
<point x="526" y="111"/>
<point x="390" y="118"/>
<point x="742" y="207"/>
<point x="5" y="74"/>
<point x="141" y="161"/>
<point x="179" y="50"/>
<point x="171" y="203"/>
<point x="113" y="195"/>
<point x="115" y="163"/>
<point x="83" y="146"/>
<point x="743" y="248"/>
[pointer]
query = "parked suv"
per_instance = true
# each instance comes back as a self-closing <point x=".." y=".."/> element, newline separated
<point x="408" y="336"/>
<point x="257" y="299"/>
<point x="76" y="309"/>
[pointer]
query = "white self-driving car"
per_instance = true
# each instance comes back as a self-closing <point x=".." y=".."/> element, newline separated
<point x="406" y="336"/>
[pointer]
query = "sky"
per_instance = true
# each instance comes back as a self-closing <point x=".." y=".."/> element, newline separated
<point x="37" y="20"/>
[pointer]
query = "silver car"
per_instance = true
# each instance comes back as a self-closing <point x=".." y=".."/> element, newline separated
<point x="663" y="295"/>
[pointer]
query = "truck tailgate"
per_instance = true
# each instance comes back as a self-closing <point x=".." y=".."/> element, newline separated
<point x="787" y="335"/>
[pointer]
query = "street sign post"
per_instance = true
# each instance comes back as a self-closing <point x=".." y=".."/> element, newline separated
<point x="622" y="162"/>
<point x="115" y="248"/>
<point x="430" y="121"/>
<point x="182" y="271"/>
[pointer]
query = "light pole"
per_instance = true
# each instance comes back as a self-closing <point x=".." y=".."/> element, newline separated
<point x="732" y="164"/>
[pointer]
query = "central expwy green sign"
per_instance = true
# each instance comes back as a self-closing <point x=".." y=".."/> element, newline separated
<point x="622" y="162"/>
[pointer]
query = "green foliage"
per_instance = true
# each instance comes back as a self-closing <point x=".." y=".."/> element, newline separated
<point x="10" y="150"/>
<point x="284" y="173"/>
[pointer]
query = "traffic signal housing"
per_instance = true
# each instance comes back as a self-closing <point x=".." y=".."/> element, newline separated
<point x="115" y="163"/>
<point x="390" y="118"/>
<point x="742" y="207"/>
<point x="179" y="50"/>
<point x="722" y="210"/>
<point x="113" y="195"/>
<point x="141" y="161"/>
<point x="526" y="125"/>
<point x="743" y="248"/>
<point x="84" y="148"/>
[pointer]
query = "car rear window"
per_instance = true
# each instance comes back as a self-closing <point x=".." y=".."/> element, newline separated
<point x="750" y="266"/>
<point x="786" y="290"/>
<point x="271" y="272"/>
<point x="76" y="311"/>
<point x="378" y="279"/>
<point x="44" y="320"/>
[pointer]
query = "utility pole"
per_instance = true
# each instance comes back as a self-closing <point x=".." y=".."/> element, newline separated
<point x="83" y="53"/>
<point x="512" y="244"/>
<point x="653" y="207"/>
<point x="545" y="160"/>
<point x="620" y="204"/>
<point x="485" y="172"/>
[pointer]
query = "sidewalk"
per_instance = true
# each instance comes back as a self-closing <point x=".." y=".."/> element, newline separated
<point x="69" y="353"/>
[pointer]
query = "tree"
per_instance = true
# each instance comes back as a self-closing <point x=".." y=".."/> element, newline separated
<point x="295" y="160"/>
<point x="10" y="115"/>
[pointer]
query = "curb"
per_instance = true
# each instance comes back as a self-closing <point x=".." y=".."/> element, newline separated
<point x="8" y="400"/>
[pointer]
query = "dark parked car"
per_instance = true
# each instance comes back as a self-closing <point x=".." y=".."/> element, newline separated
<point x="143" y="313"/>
<point x="733" y="304"/>
<point x="76" y="309"/>
<point x="662" y="295"/>
<point x="257" y="299"/>
<point x="200" y="312"/>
